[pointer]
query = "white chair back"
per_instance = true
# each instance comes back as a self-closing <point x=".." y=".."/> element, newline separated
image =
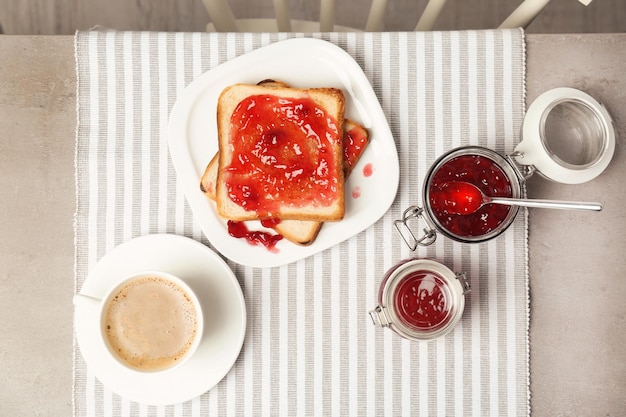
<point x="223" y="19"/>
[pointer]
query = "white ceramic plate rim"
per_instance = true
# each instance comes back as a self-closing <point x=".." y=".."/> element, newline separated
<point x="300" y="62"/>
<point x="209" y="276"/>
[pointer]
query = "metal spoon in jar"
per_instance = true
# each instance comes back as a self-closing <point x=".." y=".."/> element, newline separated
<point x="465" y="198"/>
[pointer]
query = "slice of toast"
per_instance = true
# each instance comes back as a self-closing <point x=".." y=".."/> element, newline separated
<point x="280" y="153"/>
<point x="302" y="232"/>
<point x="208" y="182"/>
<point x="355" y="139"/>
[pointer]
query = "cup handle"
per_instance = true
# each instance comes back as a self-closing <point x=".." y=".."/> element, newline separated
<point x="83" y="299"/>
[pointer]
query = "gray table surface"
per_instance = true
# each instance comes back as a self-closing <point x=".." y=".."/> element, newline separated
<point x="577" y="261"/>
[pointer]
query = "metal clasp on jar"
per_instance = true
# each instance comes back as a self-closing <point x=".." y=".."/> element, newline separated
<point x="379" y="317"/>
<point x="465" y="284"/>
<point x="402" y="226"/>
<point x="530" y="169"/>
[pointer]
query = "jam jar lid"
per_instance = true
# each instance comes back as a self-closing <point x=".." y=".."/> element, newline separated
<point x="420" y="299"/>
<point x="567" y="136"/>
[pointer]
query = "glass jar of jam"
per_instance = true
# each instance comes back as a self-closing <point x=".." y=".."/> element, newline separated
<point x="420" y="299"/>
<point x="483" y="168"/>
<point x="567" y="137"/>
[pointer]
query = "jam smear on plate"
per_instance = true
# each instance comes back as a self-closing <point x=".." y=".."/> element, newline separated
<point x="368" y="170"/>
<point x="255" y="237"/>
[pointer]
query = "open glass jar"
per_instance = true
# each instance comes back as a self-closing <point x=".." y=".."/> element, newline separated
<point x="420" y="299"/>
<point x="567" y="136"/>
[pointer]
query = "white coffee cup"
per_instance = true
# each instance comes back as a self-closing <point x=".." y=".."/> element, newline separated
<point x="150" y="322"/>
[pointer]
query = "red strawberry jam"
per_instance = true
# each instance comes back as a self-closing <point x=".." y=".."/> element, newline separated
<point x="283" y="155"/>
<point x="459" y="197"/>
<point x="422" y="301"/>
<point x="368" y="170"/>
<point x="484" y="174"/>
<point x="354" y="141"/>
<point x="254" y="237"/>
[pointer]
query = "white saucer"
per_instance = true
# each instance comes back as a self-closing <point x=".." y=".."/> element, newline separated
<point x="223" y="305"/>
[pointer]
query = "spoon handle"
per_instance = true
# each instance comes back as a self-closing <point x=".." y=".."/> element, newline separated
<point x="553" y="204"/>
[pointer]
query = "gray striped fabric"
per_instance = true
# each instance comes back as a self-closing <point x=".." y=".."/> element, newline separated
<point x="310" y="347"/>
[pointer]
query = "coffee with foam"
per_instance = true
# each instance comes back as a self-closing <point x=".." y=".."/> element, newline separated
<point x="150" y="323"/>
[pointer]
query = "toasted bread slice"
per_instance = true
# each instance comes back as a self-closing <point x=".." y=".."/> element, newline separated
<point x="208" y="182"/>
<point x="355" y="140"/>
<point x="302" y="232"/>
<point x="269" y="83"/>
<point x="280" y="153"/>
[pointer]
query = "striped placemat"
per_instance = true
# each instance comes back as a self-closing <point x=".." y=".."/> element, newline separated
<point x="310" y="347"/>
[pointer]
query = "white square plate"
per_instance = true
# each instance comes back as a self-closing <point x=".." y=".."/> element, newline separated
<point x="303" y="63"/>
